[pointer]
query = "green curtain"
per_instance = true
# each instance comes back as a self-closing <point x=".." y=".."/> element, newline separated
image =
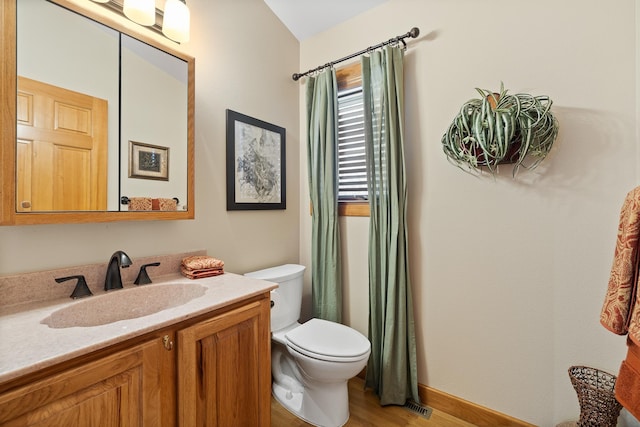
<point x="392" y="368"/>
<point x="322" y="157"/>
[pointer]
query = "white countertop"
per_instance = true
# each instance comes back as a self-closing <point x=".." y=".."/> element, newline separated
<point x="27" y="345"/>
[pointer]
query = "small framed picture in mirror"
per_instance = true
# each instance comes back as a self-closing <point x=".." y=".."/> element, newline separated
<point x="147" y="161"/>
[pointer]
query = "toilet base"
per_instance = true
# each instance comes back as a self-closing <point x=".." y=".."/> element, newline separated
<point x="307" y="405"/>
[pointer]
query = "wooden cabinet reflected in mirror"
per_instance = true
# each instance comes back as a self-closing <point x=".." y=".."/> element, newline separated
<point x="78" y="91"/>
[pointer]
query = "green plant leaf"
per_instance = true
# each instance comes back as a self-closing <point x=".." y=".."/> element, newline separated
<point x="481" y="136"/>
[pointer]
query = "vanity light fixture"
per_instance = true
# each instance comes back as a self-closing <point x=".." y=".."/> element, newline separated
<point x="142" y="12"/>
<point x="175" y="24"/>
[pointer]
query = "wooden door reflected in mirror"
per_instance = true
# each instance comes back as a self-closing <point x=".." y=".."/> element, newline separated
<point x="61" y="154"/>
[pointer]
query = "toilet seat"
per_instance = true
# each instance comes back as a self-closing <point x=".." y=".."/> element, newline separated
<point x="329" y="341"/>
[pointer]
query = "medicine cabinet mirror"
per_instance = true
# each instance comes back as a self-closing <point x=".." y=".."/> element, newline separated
<point x="95" y="113"/>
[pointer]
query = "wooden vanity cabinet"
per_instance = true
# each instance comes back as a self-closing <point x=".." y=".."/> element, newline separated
<point x="210" y="371"/>
<point x="224" y="369"/>
<point x="121" y="389"/>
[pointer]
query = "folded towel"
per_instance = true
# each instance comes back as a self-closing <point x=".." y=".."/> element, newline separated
<point x="140" y="204"/>
<point x="202" y="270"/>
<point x="202" y="262"/>
<point x="164" y="204"/>
<point x="199" y="266"/>
<point x="199" y="274"/>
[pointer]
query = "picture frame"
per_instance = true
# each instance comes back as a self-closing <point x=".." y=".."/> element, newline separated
<point x="148" y="161"/>
<point x="256" y="163"/>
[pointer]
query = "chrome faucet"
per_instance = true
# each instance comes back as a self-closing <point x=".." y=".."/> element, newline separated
<point x="113" y="280"/>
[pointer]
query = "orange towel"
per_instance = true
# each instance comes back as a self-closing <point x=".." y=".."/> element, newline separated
<point x="627" y="387"/>
<point x="140" y="204"/>
<point x="199" y="274"/>
<point x="164" y="204"/>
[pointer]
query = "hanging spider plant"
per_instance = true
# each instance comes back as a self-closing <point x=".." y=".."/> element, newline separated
<point x="500" y="128"/>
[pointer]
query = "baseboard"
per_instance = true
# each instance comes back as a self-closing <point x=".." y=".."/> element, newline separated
<point x="467" y="411"/>
<point x="463" y="409"/>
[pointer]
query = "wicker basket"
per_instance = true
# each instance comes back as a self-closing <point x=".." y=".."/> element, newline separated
<point x="598" y="404"/>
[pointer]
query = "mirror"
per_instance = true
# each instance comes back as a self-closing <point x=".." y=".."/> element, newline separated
<point x="118" y="108"/>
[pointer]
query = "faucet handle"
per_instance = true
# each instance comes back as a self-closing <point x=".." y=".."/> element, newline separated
<point x="143" y="277"/>
<point x="81" y="289"/>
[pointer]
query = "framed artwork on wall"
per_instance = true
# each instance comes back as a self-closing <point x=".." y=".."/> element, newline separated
<point x="255" y="164"/>
<point x="148" y="161"/>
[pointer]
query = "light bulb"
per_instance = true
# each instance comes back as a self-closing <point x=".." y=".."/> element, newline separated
<point x="142" y="12"/>
<point x="176" y="19"/>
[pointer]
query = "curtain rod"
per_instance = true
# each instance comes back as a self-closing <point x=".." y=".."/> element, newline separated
<point x="413" y="33"/>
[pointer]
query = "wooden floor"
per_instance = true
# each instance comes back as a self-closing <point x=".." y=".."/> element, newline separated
<point x="366" y="411"/>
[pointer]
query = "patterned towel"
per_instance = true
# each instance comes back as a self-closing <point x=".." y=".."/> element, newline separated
<point x="140" y="204"/>
<point x="201" y="262"/>
<point x="199" y="266"/>
<point x="621" y="310"/>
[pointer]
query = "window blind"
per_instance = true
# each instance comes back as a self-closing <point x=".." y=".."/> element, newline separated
<point x="352" y="166"/>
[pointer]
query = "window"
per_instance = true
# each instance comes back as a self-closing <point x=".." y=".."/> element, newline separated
<point x="352" y="172"/>
<point x="352" y="166"/>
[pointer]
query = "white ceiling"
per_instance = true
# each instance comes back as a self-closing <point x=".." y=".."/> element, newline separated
<point x="304" y="18"/>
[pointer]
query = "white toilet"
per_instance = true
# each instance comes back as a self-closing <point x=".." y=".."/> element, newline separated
<point x="310" y="363"/>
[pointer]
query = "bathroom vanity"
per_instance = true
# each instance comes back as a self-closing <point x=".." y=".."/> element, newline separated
<point x="205" y="362"/>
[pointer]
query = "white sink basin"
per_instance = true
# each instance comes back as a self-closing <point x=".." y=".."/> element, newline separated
<point x="129" y="303"/>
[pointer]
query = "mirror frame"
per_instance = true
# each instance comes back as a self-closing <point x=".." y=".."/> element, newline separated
<point x="8" y="91"/>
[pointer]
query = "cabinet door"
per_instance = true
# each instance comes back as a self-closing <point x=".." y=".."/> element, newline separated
<point x="224" y="369"/>
<point x="108" y="392"/>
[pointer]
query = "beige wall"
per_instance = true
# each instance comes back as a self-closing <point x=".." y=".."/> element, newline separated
<point x="508" y="275"/>
<point x="244" y="57"/>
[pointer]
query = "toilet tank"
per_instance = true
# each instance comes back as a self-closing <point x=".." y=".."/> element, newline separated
<point x="286" y="300"/>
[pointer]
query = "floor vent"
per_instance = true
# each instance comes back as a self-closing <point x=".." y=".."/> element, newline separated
<point x="419" y="409"/>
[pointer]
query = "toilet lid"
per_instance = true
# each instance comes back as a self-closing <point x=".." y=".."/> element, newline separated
<point x="326" y="340"/>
